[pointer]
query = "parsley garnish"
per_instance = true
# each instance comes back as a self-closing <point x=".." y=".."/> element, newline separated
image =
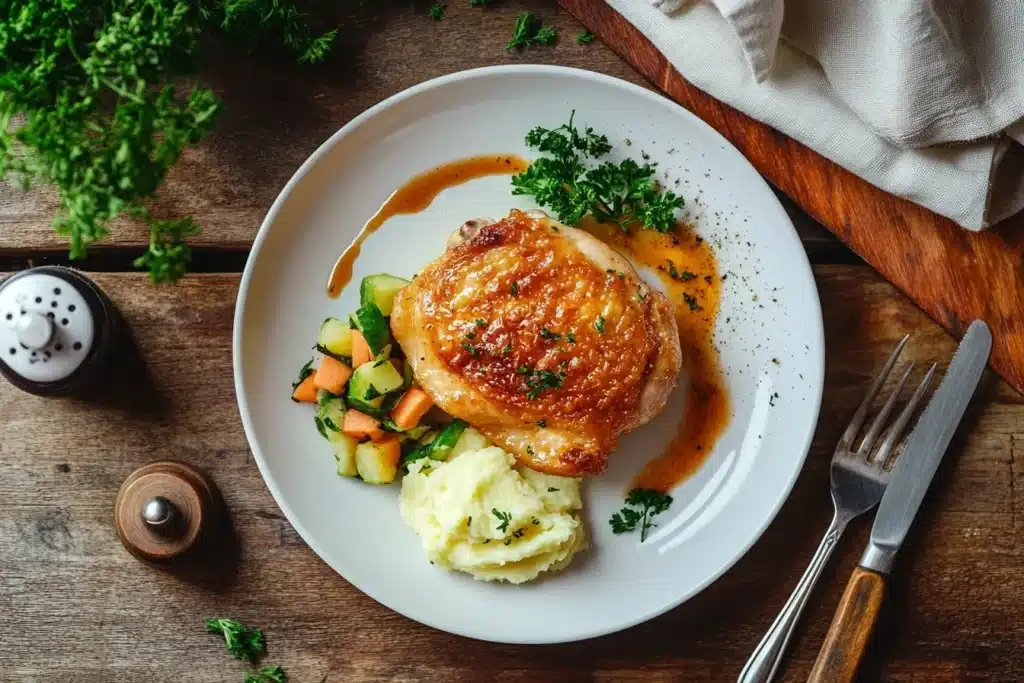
<point x="480" y="322"/>
<point x="641" y="506"/>
<point x="242" y="642"/>
<point x="507" y="348"/>
<point x="691" y="301"/>
<point x="503" y="517"/>
<point x="92" y="104"/>
<point x="473" y="351"/>
<point x="538" y="381"/>
<point x="320" y="426"/>
<point x="599" y="324"/>
<point x="268" y="674"/>
<point x="552" y="489"/>
<point x="585" y="38"/>
<point x="571" y="337"/>
<point x="436" y="11"/>
<point x="674" y="273"/>
<point x="542" y="423"/>
<point x="528" y="32"/>
<point x="479" y="3"/>
<point x="304" y="372"/>
<point x="471" y="335"/>
<point x="545" y="333"/>
<point x="624" y="193"/>
<point x="529" y="450"/>
<point x="514" y="289"/>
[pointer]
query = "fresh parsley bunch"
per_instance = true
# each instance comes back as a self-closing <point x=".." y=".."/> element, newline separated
<point x="89" y="104"/>
<point x="624" y="193"/>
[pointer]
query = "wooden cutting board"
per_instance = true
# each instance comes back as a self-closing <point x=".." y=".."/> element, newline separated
<point x="955" y="275"/>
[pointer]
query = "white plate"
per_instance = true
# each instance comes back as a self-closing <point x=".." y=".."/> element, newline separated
<point x="770" y="310"/>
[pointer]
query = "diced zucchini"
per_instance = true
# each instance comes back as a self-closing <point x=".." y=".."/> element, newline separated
<point x="374" y="464"/>
<point x="330" y="413"/>
<point x="441" y="447"/>
<point x="374" y="326"/>
<point x="335" y="338"/>
<point x="345" y="454"/>
<point x="372" y="380"/>
<point x="471" y="440"/>
<point x="381" y="290"/>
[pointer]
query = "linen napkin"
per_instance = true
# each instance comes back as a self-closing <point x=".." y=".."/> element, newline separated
<point x="922" y="99"/>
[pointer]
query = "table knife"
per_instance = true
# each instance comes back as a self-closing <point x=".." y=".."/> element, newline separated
<point x="855" y="617"/>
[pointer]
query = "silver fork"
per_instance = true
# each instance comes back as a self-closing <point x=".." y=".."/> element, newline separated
<point x="858" y="482"/>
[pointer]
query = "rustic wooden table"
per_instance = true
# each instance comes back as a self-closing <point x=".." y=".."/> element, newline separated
<point x="75" y="606"/>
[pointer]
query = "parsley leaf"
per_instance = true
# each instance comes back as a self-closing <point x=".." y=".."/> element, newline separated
<point x="545" y="333"/>
<point x="304" y="372"/>
<point x="691" y="301"/>
<point x="479" y="3"/>
<point x="436" y="11"/>
<point x="242" y="642"/>
<point x="503" y="517"/>
<point x="585" y="38"/>
<point x="641" y="507"/>
<point x="539" y="381"/>
<point x="472" y="350"/>
<point x="528" y="32"/>
<point x="268" y="674"/>
<point x="625" y="193"/>
<point x="599" y="324"/>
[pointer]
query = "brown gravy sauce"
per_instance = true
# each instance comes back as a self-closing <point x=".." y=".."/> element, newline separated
<point x="688" y="269"/>
<point x="686" y="266"/>
<point x="415" y="196"/>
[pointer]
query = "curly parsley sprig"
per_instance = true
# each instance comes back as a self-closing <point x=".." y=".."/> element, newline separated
<point x="89" y="104"/>
<point x="625" y="193"/>
<point x="641" y="507"/>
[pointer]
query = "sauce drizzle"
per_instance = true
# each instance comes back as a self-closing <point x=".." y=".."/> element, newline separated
<point x="415" y="196"/>
<point x="688" y="269"/>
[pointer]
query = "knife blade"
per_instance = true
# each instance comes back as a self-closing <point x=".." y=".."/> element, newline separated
<point x="925" y="448"/>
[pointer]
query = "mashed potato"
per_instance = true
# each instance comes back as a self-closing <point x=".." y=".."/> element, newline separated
<point x="478" y="513"/>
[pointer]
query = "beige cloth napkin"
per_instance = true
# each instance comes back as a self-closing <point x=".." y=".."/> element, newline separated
<point x="923" y="99"/>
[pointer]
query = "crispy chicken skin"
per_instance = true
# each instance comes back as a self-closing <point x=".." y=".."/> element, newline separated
<point x="541" y="337"/>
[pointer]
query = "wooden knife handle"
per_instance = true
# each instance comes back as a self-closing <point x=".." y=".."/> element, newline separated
<point x="851" y="629"/>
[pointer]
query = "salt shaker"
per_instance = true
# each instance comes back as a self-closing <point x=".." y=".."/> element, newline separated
<point x="58" y="331"/>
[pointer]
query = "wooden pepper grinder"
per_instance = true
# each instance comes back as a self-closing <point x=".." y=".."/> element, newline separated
<point x="166" y="511"/>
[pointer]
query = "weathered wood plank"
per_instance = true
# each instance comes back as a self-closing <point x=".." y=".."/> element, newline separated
<point x="74" y="606"/>
<point x="276" y="115"/>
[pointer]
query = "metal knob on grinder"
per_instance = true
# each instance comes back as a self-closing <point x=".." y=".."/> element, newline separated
<point x="166" y="510"/>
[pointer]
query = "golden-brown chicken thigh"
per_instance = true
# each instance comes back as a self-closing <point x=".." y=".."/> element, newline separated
<point x="541" y="337"/>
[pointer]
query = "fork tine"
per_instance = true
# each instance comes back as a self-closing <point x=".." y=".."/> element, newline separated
<point x="876" y="427"/>
<point x="862" y="411"/>
<point x="901" y="422"/>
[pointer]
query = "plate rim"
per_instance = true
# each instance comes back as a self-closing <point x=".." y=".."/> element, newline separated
<point x="818" y="360"/>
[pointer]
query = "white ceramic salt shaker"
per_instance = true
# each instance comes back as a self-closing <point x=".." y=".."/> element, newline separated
<point x="58" y="330"/>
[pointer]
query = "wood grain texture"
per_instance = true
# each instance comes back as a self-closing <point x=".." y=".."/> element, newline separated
<point x="75" y="607"/>
<point x="229" y="181"/>
<point x="953" y="274"/>
<point x="851" y="629"/>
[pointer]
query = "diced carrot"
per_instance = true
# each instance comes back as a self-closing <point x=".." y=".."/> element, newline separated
<point x="360" y="425"/>
<point x="410" y="408"/>
<point x="391" y="448"/>
<point x="332" y="375"/>
<point x="360" y="349"/>
<point x="305" y="392"/>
